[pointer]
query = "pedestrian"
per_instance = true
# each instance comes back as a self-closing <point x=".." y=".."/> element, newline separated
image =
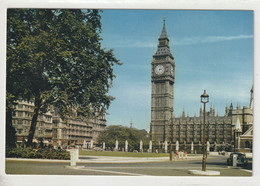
<point x="182" y="155"/>
<point x="176" y="154"/>
<point x="186" y="156"/>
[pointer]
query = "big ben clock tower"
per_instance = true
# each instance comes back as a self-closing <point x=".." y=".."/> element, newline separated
<point x="162" y="77"/>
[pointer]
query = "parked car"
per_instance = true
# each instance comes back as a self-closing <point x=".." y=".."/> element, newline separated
<point x="241" y="159"/>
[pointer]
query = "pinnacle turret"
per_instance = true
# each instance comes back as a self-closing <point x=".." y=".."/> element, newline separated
<point x="231" y="106"/>
<point x="183" y="112"/>
<point x="163" y="44"/>
<point x="238" y="126"/>
<point x="251" y="98"/>
<point x="164" y="33"/>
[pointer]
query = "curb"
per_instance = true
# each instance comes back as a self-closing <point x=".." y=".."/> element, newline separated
<point x="109" y="159"/>
<point x="204" y="173"/>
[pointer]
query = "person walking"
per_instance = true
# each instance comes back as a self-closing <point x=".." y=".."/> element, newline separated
<point x="186" y="155"/>
<point x="182" y="155"/>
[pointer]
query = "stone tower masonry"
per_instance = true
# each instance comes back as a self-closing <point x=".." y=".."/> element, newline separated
<point x="162" y="78"/>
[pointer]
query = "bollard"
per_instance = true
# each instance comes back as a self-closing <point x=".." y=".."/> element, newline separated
<point x="141" y="146"/>
<point x="77" y="154"/>
<point x="150" y="146"/>
<point x="165" y="146"/>
<point x="116" y="147"/>
<point x="73" y="157"/>
<point x="234" y="160"/>
<point x="126" y="146"/>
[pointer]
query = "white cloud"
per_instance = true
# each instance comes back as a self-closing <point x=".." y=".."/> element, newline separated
<point x="209" y="39"/>
<point x="151" y="43"/>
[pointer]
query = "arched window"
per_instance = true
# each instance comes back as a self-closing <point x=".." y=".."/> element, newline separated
<point x="247" y="144"/>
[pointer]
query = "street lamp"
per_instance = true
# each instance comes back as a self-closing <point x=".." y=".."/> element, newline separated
<point x="171" y="137"/>
<point x="204" y="99"/>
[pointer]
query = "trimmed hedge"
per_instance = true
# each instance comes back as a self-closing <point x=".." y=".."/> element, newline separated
<point x="37" y="153"/>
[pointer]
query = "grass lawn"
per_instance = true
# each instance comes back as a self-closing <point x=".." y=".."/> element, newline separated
<point x="121" y="154"/>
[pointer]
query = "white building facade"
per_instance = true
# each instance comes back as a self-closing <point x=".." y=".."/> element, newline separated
<point x="52" y="130"/>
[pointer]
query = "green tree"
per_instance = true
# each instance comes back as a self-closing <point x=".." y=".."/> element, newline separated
<point x="54" y="57"/>
<point x="121" y="133"/>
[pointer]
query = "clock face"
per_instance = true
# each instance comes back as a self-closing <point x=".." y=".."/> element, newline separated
<point x="159" y="69"/>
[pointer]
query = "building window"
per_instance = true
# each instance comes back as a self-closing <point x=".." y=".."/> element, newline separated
<point x="20" y="106"/>
<point x="19" y="131"/>
<point x="20" y="114"/>
<point x="247" y="144"/>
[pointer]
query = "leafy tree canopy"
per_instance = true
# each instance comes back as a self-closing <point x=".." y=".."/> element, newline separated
<point x="121" y="133"/>
<point x="54" y="57"/>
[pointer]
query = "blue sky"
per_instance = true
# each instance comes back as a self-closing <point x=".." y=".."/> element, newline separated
<point x="213" y="50"/>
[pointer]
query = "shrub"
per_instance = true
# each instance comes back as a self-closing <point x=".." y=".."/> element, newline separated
<point x="39" y="154"/>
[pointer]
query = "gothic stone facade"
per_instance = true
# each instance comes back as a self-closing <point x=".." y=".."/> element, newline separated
<point x="187" y="130"/>
<point x="220" y="130"/>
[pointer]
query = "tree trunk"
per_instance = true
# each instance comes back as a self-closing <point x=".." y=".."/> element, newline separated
<point x="37" y="104"/>
<point x="10" y="131"/>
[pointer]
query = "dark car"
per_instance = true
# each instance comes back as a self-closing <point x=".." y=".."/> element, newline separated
<point x="241" y="159"/>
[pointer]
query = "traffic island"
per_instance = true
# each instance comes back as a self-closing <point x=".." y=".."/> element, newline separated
<point x="75" y="167"/>
<point x="204" y="173"/>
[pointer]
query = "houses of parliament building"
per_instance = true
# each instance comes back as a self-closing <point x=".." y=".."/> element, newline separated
<point x="233" y="131"/>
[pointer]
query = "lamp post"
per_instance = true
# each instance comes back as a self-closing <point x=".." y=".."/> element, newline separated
<point x="171" y="137"/>
<point x="204" y="99"/>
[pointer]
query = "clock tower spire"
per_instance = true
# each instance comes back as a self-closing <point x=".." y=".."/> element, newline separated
<point x="162" y="79"/>
<point x="164" y="33"/>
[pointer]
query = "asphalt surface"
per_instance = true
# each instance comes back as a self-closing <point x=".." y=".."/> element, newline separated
<point x="161" y="167"/>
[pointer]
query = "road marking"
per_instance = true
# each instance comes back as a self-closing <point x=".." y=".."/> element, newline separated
<point x="240" y="169"/>
<point x="114" y="172"/>
<point x="155" y="167"/>
<point x="246" y="170"/>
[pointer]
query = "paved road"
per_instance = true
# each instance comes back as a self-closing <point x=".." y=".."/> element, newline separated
<point x="162" y="168"/>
